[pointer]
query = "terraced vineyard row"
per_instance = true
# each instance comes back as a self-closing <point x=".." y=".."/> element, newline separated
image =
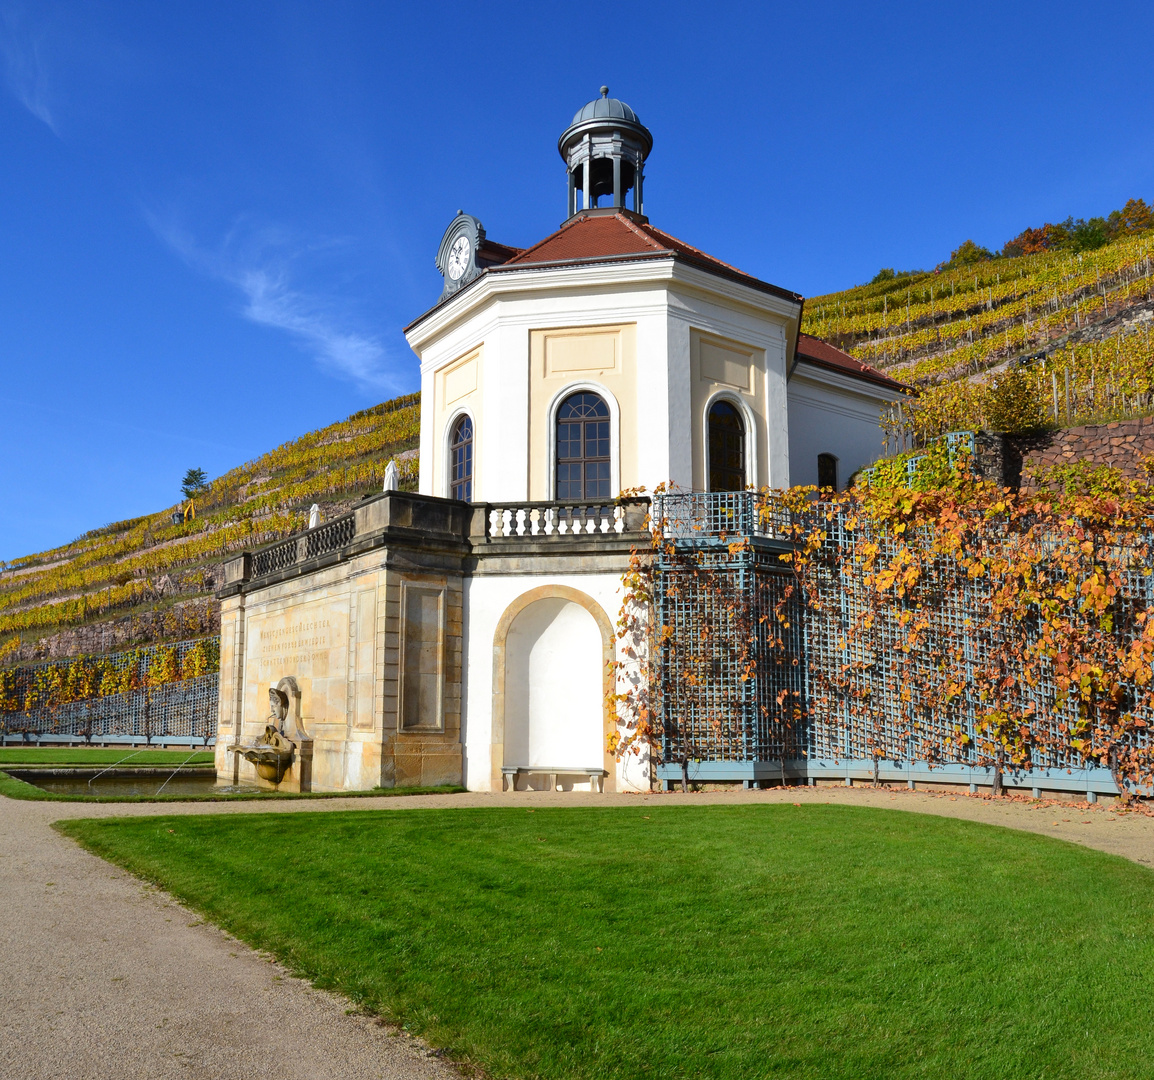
<point x="947" y="333"/>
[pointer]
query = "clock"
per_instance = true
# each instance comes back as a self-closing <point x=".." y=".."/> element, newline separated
<point x="459" y="257"/>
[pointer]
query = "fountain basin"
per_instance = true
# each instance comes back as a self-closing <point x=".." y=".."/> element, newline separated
<point x="271" y="762"/>
<point x="138" y="781"/>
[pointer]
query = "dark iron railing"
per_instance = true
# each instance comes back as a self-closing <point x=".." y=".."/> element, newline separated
<point x="321" y="540"/>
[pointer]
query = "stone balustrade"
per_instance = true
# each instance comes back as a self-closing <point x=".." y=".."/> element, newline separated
<point x="558" y="519"/>
<point x="428" y="520"/>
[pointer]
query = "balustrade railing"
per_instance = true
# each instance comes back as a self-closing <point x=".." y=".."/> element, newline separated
<point x="278" y="557"/>
<point x="610" y="518"/>
<point x="330" y="536"/>
<point x="550" y="520"/>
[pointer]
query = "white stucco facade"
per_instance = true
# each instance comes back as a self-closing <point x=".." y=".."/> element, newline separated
<point x="564" y="689"/>
<point x="664" y="304"/>
<point x="832" y="413"/>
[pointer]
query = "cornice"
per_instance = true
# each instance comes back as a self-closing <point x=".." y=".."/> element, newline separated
<point x="660" y="269"/>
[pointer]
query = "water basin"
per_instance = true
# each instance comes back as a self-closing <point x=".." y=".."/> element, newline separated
<point x="123" y="782"/>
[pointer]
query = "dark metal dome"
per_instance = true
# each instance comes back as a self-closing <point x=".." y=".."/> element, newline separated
<point x="605" y="114"/>
<point x="607" y="107"/>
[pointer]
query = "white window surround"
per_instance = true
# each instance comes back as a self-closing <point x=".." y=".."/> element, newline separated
<point x="747" y="418"/>
<point x="447" y="454"/>
<point x="614" y="433"/>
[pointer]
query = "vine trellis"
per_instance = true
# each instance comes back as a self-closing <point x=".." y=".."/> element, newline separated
<point x="160" y="691"/>
<point x="969" y="633"/>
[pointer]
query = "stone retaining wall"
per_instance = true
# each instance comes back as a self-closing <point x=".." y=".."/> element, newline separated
<point x="1122" y="444"/>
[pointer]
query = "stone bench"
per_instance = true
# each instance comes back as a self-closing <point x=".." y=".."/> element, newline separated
<point x="510" y="774"/>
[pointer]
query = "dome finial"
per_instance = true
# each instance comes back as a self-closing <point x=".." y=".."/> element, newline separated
<point x="605" y="91"/>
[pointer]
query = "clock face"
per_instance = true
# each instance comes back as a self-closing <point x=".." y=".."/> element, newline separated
<point x="459" y="258"/>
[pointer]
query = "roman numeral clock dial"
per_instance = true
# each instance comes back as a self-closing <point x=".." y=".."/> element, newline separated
<point x="459" y="257"/>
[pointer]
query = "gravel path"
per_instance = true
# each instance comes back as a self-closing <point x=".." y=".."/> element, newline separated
<point x="105" y="979"/>
<point x="108" y="978"/>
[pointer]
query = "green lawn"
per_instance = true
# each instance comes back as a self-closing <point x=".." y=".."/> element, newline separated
<point x="83" y="755"/>
<point x="812" y="941"/>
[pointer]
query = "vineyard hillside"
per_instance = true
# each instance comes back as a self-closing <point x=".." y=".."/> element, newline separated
<point x="152" y="578"/>
<point x="1055" y="331"/>
<point x="1056" y="338"/>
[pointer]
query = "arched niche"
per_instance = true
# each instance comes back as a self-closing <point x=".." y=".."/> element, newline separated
<point x="552" y="651"/>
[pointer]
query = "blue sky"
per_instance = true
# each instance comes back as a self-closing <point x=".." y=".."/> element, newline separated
<point x="216" y="218"/>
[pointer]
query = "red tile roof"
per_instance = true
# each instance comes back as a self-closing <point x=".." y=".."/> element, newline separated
<point x="620" y="237"/>
<point x="823" y="354"/>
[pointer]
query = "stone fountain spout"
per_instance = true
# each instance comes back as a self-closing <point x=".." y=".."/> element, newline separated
<point x="284" y="739"/>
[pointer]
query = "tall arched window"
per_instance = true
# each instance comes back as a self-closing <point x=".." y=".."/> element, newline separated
<point x="827" y="471"/>
<point x="583" y="459"/>
<point x="461" y="460"/>
<point x="726" y="448"/>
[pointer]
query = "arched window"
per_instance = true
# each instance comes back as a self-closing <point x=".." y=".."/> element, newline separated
<point x="583" y="458"/>
<point x="827" y="471"/>
<point x="726" y="448"/>
<point x="461" y="460"/>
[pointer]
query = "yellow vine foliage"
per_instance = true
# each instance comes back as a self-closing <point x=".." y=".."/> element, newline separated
<point x="48" y="686"/>
<point x="1046" y="580"/>
<point x="943" y="332"/>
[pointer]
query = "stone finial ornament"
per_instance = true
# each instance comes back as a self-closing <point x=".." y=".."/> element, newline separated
<point x="392" y="476"/>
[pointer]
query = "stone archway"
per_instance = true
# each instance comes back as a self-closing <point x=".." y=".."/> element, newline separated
<point x="524" y="605"/>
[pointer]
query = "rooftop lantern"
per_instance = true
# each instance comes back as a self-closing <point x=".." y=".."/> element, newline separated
<point x="605" y="150"/>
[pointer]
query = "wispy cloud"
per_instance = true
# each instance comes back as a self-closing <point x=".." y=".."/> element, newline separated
<point x="25" y="71"/>
<point x="258" y="263"/>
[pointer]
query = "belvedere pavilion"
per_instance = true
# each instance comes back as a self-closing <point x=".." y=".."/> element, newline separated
<point x="463" y="634"/>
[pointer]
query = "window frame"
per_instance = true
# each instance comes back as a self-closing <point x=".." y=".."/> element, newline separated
<point x="447" y="448"/>
<point x="835" y="460"/>
<point x="585" y="387"/>
<point x="747" y="419"/>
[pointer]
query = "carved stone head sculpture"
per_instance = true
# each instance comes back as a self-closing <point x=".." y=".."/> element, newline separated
<point x="278" y="703"/>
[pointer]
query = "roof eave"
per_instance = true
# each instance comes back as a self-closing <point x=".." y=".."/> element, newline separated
<point x="869" y="375"/>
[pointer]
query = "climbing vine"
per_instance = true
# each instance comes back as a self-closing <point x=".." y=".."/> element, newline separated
<point x="959" y="624"/>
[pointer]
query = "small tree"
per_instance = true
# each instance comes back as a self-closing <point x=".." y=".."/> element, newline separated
<point x="1135" y="217"/>
<point x="194" y="482"/>
<point x="1013" y="403"/>
<point x="968" y="253"/>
